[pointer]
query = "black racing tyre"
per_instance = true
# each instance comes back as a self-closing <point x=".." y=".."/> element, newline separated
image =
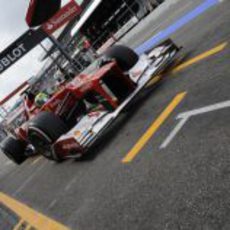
<point x="126" y="58"/>
<point x="43" y="130"/>
<point x="14" y="149"/>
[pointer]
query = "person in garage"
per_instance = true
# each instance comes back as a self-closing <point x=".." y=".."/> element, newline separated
<point x="28" y="100"/>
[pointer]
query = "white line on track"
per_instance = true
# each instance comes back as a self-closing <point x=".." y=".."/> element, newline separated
<point x="174" y="133"/>
<point x="70" y="184"/>
<point x="206" y="109"/>
<point x="186" y="115"/>
<point x="29" y="178"/>
<point x="52" y="203"/>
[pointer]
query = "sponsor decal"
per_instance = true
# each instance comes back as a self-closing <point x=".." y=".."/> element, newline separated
<point x="136" y="74"/>
<point x="69" y="146"/>
<point x="77" y="133"/>
<point x="94" y="114"/>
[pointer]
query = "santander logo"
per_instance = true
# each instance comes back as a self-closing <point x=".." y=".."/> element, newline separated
<point x="67" y="13"/>
<point x="63" y="17"/>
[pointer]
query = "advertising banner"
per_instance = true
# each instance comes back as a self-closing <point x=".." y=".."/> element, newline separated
<point x="64" y="15"/>
<point x="20" y="47"/>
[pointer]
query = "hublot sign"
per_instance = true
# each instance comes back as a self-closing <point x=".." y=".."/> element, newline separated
<point x="20" y="47"/>
<point x="11" y="57"/>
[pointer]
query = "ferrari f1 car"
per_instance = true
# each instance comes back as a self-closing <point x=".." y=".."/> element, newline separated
<point x="72" y="120"/>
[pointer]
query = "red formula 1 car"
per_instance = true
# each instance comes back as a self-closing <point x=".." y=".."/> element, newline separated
<point x="72" y="120"/>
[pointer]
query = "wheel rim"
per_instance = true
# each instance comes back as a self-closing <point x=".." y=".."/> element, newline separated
<point x="42" y="143"/>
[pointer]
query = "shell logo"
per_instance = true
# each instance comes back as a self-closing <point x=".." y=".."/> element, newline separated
<point x="77" y="133"/>
<point x="49" y="26"/>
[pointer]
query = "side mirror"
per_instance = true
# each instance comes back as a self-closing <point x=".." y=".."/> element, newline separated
<point x="40" y="11"/>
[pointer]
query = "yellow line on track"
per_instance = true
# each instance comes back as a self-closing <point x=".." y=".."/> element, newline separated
<point x="153" y="128"/>
<point x="32" y="217"/>
<point x="36" y="161"/>
<point x="200" y="57"/>
<point x="194" y="60"/>
<point x="154" y="80"/>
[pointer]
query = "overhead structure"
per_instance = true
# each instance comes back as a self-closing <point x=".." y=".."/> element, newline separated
<point x="20" y="47"/>
<point x="50" y="16"/>
<point x="40" y="11"/>
<point x="84" y="18"/>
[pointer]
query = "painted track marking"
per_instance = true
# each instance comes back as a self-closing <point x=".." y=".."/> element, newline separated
<point x="200" y="57"/>
<point x="175" y="131"/>
<point x="180" y="23"/>
<point x="36" y="160"/>
<point x="34" y="218"/>
<point x="186" y="115"/>
<point x="192" y="61"/>
<point x="30" y="178"/>
<point x="153" y="128"/>
<point x="206" y="109"/>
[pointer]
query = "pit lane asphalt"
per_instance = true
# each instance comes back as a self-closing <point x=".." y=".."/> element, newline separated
<point x="185" y="186"/>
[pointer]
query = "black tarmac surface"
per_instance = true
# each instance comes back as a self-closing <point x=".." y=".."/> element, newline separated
<point x="185" y="186"/>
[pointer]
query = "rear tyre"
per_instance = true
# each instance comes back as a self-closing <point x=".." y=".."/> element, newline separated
<point x="14" y="149"/>
<point x="44" y="130"/>
<point x="125" y="57"/>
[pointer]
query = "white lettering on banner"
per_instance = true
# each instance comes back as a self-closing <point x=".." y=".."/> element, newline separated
<point x="63" y="17"/>
<point x="13" y="56"/>
<point x="5" y="61"/>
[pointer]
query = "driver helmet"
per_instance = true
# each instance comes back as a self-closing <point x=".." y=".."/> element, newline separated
<point x="41" y="99"/>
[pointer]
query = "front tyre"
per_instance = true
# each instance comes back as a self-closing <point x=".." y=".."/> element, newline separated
<point x="125" y="57"/>
<point x="14" y="149"/>
<point x="44" y="130"/>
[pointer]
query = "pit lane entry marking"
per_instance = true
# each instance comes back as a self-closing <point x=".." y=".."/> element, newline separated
<point x="184" y="117"/>
<point x="154" y="128"/>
